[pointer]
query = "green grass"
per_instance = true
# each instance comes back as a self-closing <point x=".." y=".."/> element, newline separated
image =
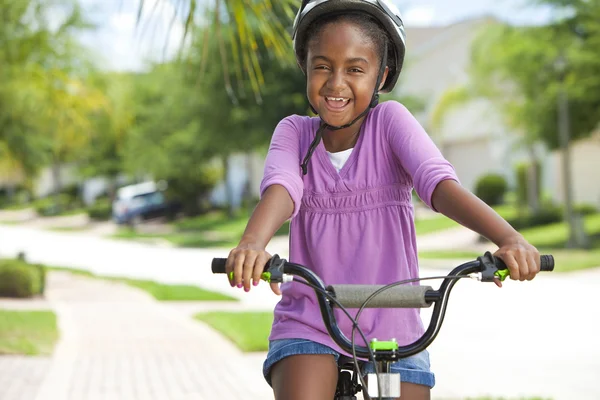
<point x="440" y="222"/>
<point x="507" y="211"/>
<point x="449" y="254"/>
<point x="247" y="330"/>
<point x="27" y="332"/>
<point x="68" y="228"/>
<point x="210" y="230"/>
<point x="555" y="235"/>
<point x="16" y="207"/>
<point x="434" y="224"/>
<point x="164" y="292"/>
<point x="566" y="260"/>
<point x="159" y="291"/>
<point x="549" y="239"/>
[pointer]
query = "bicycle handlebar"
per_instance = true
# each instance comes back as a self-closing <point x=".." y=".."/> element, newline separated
<point x="354" y="296"/>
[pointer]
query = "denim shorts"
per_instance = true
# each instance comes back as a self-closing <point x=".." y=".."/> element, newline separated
<point x="414" y="369"/>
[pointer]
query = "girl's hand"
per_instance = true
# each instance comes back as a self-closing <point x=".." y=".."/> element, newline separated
<point x="247" y="261"/>
<point x="521" y="258"/>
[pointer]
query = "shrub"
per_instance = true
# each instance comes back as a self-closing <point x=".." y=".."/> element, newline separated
<point x="19" y="279"/>
<point x="53" y="205"/>
<point x="523" y="183"/>
<point x="586" y="209"/>
<point x="101" y="210"/>
<point x="547" y="215"/>
<point x="491" y="189"/>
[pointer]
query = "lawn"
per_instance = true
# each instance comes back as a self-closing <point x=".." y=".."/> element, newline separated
<point x="549" y="239"/>
<point x="210" y="230"/>
<point x="555" y="235"/>
<point x="247" y="330"/>
<point x="27" y="332"/>
<point x="449" y="255"/>
<point x="440" y="222"/>
<point x="424" y="226"/>
<point x="159" y="291"/>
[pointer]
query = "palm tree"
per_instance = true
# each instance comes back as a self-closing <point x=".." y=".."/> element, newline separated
<point x="272" y="19"/>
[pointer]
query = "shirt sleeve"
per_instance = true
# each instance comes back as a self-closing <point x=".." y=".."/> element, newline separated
<point x="282" y="164"/>
<point x="417" y="153"/>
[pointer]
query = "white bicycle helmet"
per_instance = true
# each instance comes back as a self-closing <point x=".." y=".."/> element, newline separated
<point x="383" y="11"/>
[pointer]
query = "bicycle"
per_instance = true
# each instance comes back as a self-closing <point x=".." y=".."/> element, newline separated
<point x="486" y="268"/>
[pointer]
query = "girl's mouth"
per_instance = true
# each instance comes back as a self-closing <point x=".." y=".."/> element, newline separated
<point x="336" y="103"/>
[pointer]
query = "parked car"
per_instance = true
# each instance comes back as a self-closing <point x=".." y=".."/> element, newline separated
<point x="143" y="201"/>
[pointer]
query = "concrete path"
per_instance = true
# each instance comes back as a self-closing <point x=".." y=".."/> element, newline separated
<point x="528" y="339"/>
<point x="118" y="343"/>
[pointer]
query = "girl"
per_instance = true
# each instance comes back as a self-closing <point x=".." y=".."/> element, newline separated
<point x="349" y="198"/>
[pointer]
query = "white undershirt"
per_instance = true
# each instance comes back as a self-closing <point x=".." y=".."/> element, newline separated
<point x="339" y="159"/>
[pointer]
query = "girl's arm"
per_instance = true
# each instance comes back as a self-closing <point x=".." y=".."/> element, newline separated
<point x="248" y="259"/>
<point x="457" y="203"/>
<point x="274" y="208"/>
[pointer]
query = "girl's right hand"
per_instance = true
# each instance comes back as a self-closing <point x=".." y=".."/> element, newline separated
<point x="247" y="261"/>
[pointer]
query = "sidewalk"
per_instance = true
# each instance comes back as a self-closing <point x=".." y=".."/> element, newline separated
<point x="118" y="343"/>
<point x="540" y="334"/>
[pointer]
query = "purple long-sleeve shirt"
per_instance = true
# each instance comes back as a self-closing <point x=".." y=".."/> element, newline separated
<point x="355" y="226"/>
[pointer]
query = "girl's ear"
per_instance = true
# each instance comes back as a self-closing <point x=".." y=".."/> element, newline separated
<point x="385" y="74"/>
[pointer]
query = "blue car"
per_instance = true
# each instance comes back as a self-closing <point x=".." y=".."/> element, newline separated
<point x="136" y="203"/>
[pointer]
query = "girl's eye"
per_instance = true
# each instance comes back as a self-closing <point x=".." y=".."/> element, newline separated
<point x="321" y="67"/>
<point x="355" y="70"/>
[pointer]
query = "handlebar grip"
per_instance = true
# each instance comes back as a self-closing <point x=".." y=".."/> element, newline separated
<point x="353" y="296"/>
<point x="218" y="265"/>
<point x="547" y="263"/>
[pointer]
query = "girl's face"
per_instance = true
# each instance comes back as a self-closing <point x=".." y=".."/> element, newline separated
<point x="342" y="67"/>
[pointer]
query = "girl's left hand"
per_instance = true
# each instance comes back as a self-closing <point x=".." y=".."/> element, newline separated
<point x="521" y="258"/>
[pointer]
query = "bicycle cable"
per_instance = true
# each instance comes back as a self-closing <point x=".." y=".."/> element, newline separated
<point x="363" y="306"/>
<point x="354" y="320"/>
<point x="354" y="325"/>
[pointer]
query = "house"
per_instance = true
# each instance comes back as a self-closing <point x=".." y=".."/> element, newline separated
<point x="473" y="136"/>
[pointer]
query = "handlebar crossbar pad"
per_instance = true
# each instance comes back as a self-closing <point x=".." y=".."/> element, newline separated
<point x="353" y="296"/>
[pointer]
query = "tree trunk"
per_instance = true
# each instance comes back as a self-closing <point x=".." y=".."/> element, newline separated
<point x="249" y="187"/>
<point x="533" y="188"/>
<point x="577" y="237"/>
<point x="228" y="188"/>
<point x="57" y="186"/>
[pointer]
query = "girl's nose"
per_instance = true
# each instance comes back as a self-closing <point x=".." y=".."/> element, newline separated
<point x="336" y="80"/>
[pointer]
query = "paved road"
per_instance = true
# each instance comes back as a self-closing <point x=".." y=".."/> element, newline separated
<point x="528" y="339"/>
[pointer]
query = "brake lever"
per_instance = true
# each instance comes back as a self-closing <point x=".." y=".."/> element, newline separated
<point x="274" y="272"/>
<point x="492" y="268"/>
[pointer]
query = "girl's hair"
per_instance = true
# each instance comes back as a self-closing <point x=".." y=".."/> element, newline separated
<point x="369" y="25"/>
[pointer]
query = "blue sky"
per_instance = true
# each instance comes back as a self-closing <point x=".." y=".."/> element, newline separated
<point x="120" y="45"/>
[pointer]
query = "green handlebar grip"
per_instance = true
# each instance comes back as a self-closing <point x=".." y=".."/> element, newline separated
<point x="265" y="276"/>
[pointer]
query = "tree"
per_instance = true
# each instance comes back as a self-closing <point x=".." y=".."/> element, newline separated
<point x="110" y="126"/>
<point x="183" y="125"/>
<point x="517" y="68"/>
<point x="254" y="23"/>
<point x="42" y="95"/>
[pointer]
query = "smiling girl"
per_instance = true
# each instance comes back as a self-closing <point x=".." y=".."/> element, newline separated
<point x="345" y="180"/>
